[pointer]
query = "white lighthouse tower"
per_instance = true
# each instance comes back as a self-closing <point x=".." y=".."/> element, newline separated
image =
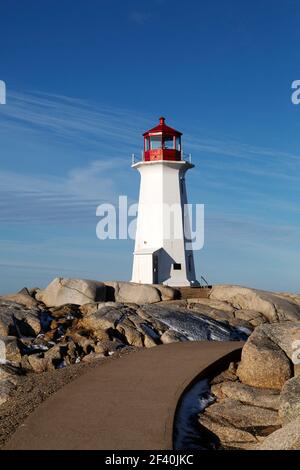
<point x="161" y="254"/>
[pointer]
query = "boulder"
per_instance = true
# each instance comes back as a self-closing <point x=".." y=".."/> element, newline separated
<point x="167" y="293"/>
<point x="11" y="347"/>
<point x="22" y="297"/>
<point x="149" y="342"/>
<point x="290" y="400"/>
<point x="93" y="356"/>
<point x="252" y="316"/>
<point x="270" y="305"/>
<point x="16" y="320"/>
<point x="225" y="432"/>
<point x="135" y="293"/>
<point x="241" y="415"/>
<point x="249" y="395"/>
<point x="6" y="388"/>
<point x="286" y="438"/>
<point x="287" y="336"/>
<point x="263" y="363"/>
<point x="32" y="320"/>
<point x="145" y="314"/>
<point x="138" y="332"/>
<point x="101" y="335"/>
<point x="104" y="318"/>
<point x="236" y="425"/>
<point x="171" y="336"/>
<point x="68" y="353"/>
<point x="87" y="309"/>
<point x="132" y="335"/>
<point x="71" y="291"/>
<point x="226" y="375"/>
<point x="49" y="360"/>
<point x="85" y="343"/>
<point x="37" y="363"/>
<point x="65" y="311"/>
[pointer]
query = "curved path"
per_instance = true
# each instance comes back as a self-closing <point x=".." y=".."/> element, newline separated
<point x="128" y="403"/>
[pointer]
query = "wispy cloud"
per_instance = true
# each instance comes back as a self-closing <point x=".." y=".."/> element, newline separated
<point x="71" y="119"/>
<point x="234" y="148"/>
<point x="107" y="136"/>
<point x="69" y="199"/>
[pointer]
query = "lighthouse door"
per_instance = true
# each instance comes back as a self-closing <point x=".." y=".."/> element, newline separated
<point x="155" y="268"/>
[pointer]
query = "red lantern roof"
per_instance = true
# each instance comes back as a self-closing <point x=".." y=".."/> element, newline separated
<point x="162" y="127"/>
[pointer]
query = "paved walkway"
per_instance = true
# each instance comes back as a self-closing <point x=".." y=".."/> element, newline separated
<point x="128" y="403"/>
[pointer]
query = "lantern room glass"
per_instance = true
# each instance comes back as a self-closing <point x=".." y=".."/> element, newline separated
<point x="168" y="142"/>
<point x="147" y="143"/>
<point x="155" y="142"/>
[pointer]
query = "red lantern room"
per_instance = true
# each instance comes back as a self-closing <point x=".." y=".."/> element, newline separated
<point x="162" y="143"/>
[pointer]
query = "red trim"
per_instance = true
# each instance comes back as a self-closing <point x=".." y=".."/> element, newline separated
<point x="162" y="154"/>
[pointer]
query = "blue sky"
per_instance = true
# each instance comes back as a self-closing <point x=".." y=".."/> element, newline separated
<point x="86" y="78"/>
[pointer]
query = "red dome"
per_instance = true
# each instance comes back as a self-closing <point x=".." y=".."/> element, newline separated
<point x="162" y="143"/>
<point x="162" y="127"/>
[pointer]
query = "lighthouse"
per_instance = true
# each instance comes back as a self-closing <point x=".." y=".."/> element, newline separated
<point x="163" y="253"/>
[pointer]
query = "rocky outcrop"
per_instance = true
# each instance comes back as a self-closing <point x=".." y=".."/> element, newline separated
<point x="171" y="336"/>
<point x="75" y="291"/>
<point x="237" y="424"/>
<point x="16" y="320"/>
<point x="286" y="438"/>
<point x="290" y="400"/>
<point x="268" y="357"/>
<point x="250" y="418"/>
<point x="167" y="293"/>
<point x="135" y="293"/>
<point x="194" y="325"/>
<point x="263" y="363"/>
<point x="273" y="307"/>
<point x="55" y="336"/>
<point x="23" y="297"/>
<point x="286" y="336"/>
<point x="240" y="416"/>
<point x="292" y="297"/>
<point x="252" y="317"/>
<point x="82" y="291"/>
<point x="75" y="320"/>
<point x="235" y="390"/>
<point x="257" y="404"/>
<point x="212" y="309"/>
<point x="12" y="349"/>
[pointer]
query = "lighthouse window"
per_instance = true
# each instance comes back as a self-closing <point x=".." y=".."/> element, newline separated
<point x="155" y="142"/>
<point x="178" y="143"/>
<point x="168" y="142"/>
<point x="177" y="266"/>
